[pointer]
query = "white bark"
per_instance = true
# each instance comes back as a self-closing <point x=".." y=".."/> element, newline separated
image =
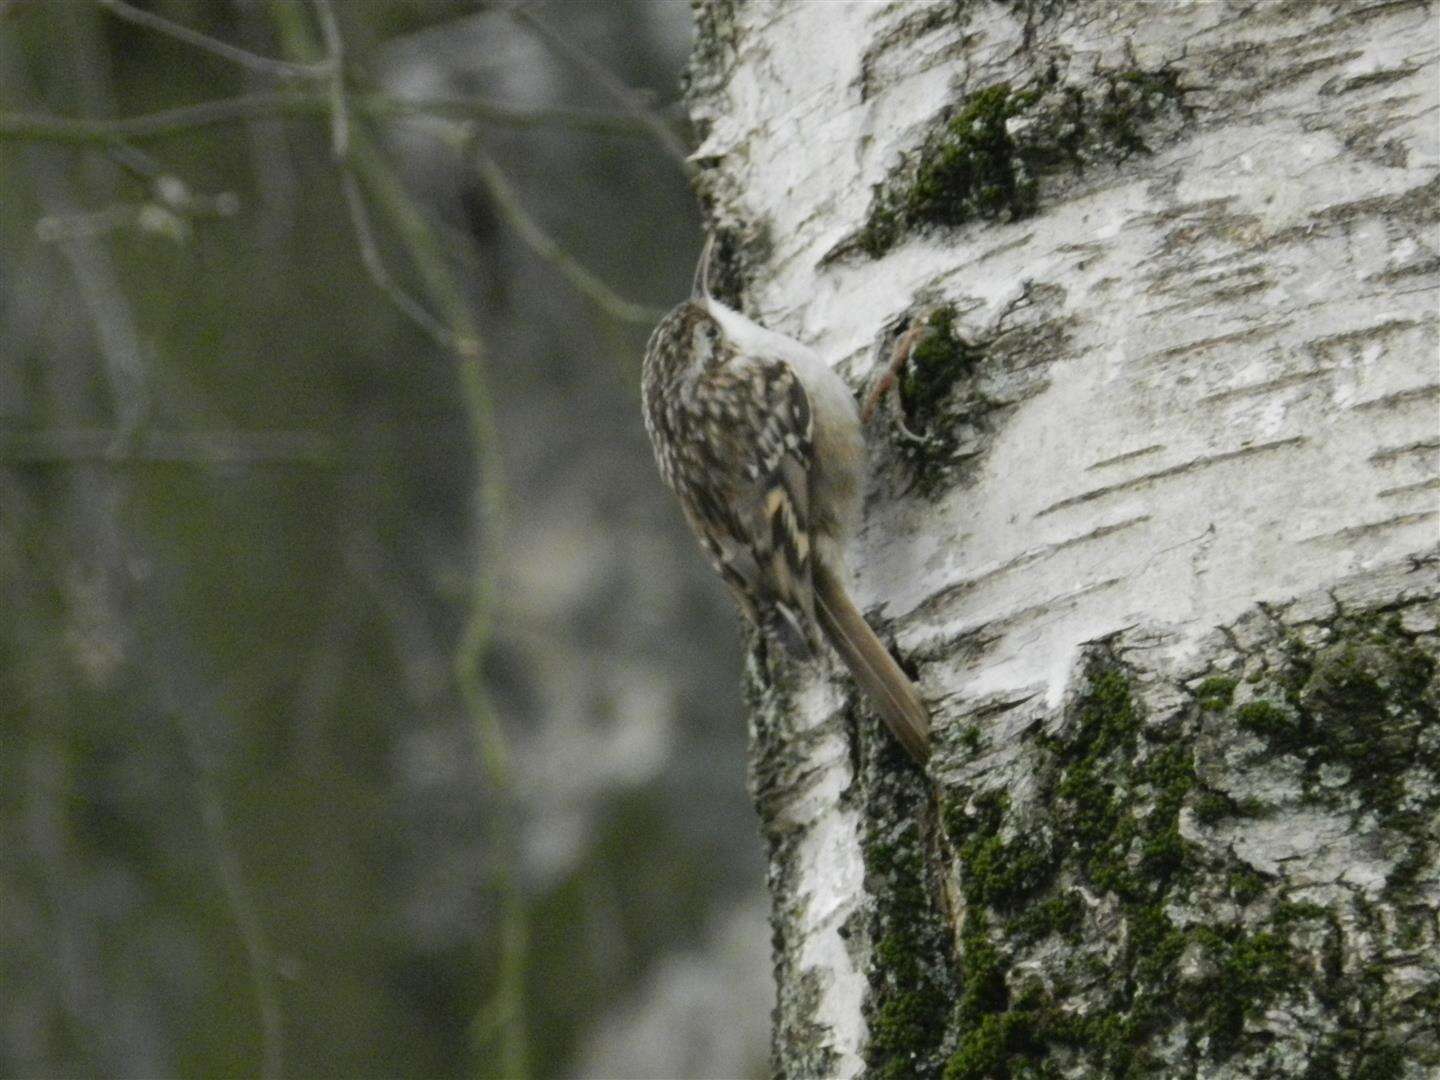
<point x="1211" y="376"/>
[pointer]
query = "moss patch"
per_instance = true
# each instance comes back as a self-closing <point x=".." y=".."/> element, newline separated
<point x="911" y="983"/>
<point x="1114" y="793"/>
<point x="969" y="167"/>
<point x="984" y="160"/>
<point x="973" y="167"/>
<point x="1356" y="713"/>
<point x="1216" y="693"/>
<point x="1089" y="931"/>
<point x="997" y="873"/>
<point x="933" y="403"/>
<point x="938" y="359"/>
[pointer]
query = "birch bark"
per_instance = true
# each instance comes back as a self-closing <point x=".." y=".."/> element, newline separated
<point x="1153" y="517"/>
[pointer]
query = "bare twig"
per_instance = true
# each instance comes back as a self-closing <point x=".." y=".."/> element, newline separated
<point x="123" y="353"/>
<point x="254" y="61"/>
<point x="468" y="107"/>
<point x="335" y="62"/>
<point x="205" y="448"/>
<point x="591" y="286"/>
<point x="43" y="793"/>
<point x="163" y="123"/>
<point x="455" y="325"/>
<point x="259" y="958"/>
<point x="97" y="502"/>
<point x="166" y="123"/>
<point x="375" y="265"/>
<point x="136" y="160"/>
<point x="625" y="96"/>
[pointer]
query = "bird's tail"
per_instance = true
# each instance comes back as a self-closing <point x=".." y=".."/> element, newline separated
<point x="890" y="691"/>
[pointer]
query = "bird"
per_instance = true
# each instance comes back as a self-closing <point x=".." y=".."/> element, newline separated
<point x="761" y="443"/>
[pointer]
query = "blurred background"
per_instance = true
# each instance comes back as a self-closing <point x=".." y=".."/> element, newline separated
<point x="365" y="708"/>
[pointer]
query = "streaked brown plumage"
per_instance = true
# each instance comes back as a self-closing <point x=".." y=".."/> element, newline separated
<point x="761" y="443"/>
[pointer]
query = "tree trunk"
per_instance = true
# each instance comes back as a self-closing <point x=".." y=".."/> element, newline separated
<point x="1152" y="518"/>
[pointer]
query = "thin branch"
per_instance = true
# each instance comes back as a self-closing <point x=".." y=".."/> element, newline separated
<point x="419" y="654"/>
<point x="254" y="61"/>
<point x="166" y="123"/>
<point x="167" y="214"/>
<point x="136" y="160"/>
<point x="539" y="241"/>
<point x="625" y="96"/>
<point x="375" y="265"/>
<point x="97" y="504"/>
<point x="457" y="322"/>
<point x="204" y="448"/>
<point x="468" y="107"/>
<point x="335" y="62"/>
<point x="43" y="792"/>
<point x="160" y="124"/>
<point x="123" y="353"/>
<point x="258" y="955"/>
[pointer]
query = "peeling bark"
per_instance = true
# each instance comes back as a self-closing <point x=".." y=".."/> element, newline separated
<point x="1152" y="517"/>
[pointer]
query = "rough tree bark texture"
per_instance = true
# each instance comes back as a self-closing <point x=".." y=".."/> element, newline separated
<point x="1152" y="517"/>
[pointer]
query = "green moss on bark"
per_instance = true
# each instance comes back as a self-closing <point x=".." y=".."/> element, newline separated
<point x="1095" y="931"/>
<point x="1115" y="793"/>
<point x="1356" y="712"/>
<point x="973" y="167"/>
<point x="911" y="984"/>
<point x="1216" y="693"/>
<point x="985" y="159"/>
<point x="940" y="360"/>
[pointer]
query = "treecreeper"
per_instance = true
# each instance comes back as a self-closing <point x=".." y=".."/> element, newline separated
<point x="761" y="442"/>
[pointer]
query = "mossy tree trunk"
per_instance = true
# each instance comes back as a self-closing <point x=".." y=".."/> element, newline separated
<point x="1152" y="518"/>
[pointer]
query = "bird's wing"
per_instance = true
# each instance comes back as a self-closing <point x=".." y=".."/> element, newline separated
<point x="752" y="503"/>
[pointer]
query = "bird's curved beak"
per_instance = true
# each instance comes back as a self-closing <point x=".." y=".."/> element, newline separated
<point x="700" y="287"/>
